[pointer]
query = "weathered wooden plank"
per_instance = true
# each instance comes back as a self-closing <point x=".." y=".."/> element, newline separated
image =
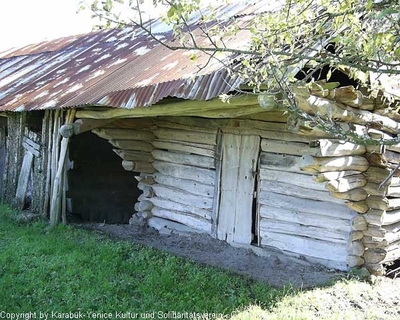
<point x="185" y="159"/>
<point x="296" y="179"/>
<point x="239" y="158"/>
<point x="347" y="183"/>
<point x="177" y="206"/>
<point x="305" y="246"/>
<point x="168" y="226"/>
<point x="333" y="175"/>
<point x="135" y="123"/>
<point x="184" y="218"/>
<point x="124" y="134"/>
<point x="228" y="187"/>
<point x="271" y="116"/>
<point x="271" y="161"/>
<point x="392" y="232"/>
<point x="23" y="180"/>
<point x="271" y="135"/>
<point x="178" y="195"/>
<point x="248" y="157"/>
<point x="201" y="175"/>
<point x="31" y="146"/>
<point x="287" y="147"/>
<point x="84" y="125"/>
<point x="131" y="155"/>
<point x="358" y="194"/>
<point x="334" y="148"/>
<point x="380" y="203"/>
<point x="191" y="123"/>
<point x="305" y="205"/>
<point x="217" y="185"/>
<point x="272" y="225"/>
<point x="305" y="218"/>
<point x="392" y="191"/>
<point x="321" y="164"/>
<point x="195" y="148"/>
<point x="190" y="186"/>
<point x="391" y="217"/>
<point x="213" y="108"/>
<point x="295" y="191"/>
<point x="190" y="136"/>
<point x="132" y="145"/>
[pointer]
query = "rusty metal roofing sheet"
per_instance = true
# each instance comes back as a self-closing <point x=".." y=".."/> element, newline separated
<point x="122" y="68"/>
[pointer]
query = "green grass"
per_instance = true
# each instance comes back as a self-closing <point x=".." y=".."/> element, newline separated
<point x="68" y="270"/>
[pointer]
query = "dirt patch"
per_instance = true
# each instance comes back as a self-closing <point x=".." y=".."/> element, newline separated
<point x="274" y="268"/>
<point x="338" y="300"/>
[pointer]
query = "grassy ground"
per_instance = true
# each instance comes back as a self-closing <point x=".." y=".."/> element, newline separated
<point x="62" y="270"/>
<point x="65" y="269"/>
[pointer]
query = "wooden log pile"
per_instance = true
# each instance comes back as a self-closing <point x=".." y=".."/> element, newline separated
<point x="375" y="234"/>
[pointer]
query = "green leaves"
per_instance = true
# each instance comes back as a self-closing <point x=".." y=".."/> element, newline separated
<point x="356" y="36"/>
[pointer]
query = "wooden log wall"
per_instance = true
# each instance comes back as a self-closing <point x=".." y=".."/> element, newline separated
<point x="177" y="159"/>
<point x="298" y="215"/>
<point x="375" y="230"/>
<point x="182" y="188"/>
<point x="14" y="155"/>
<point x="305" y="175"/>
<point x="26" y="160"/>
<point x="32" y="143"/>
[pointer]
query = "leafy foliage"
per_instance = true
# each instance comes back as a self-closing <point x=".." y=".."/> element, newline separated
<point x="284" y="42"/>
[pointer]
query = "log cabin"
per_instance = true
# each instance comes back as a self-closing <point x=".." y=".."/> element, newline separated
<point x="91" y="126"/>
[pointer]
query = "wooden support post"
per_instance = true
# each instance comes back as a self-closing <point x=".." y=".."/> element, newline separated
<point x="56" y="197"/>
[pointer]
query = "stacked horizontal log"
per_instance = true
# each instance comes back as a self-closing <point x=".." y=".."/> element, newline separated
<point x="183" y="191"/>
<point x="132" y="145"/>
<point x="298" y="215"/>
<point x="375" y="234"/>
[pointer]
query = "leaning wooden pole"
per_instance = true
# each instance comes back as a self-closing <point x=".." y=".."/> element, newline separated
<point x="56" y="195"/>
<point x="49" y="129"/>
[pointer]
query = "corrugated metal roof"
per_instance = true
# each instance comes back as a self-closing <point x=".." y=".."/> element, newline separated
<point x="122" y="68"/>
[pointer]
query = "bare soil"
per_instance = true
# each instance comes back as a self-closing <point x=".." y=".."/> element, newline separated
<point x="329" y="294"/>
<point x="273" y="268"/>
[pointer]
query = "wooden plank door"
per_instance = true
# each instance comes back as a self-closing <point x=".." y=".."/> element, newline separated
<point x="239" y="164"/>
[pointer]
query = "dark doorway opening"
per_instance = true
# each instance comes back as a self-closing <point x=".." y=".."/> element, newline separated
<point x="100" y="190"/>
